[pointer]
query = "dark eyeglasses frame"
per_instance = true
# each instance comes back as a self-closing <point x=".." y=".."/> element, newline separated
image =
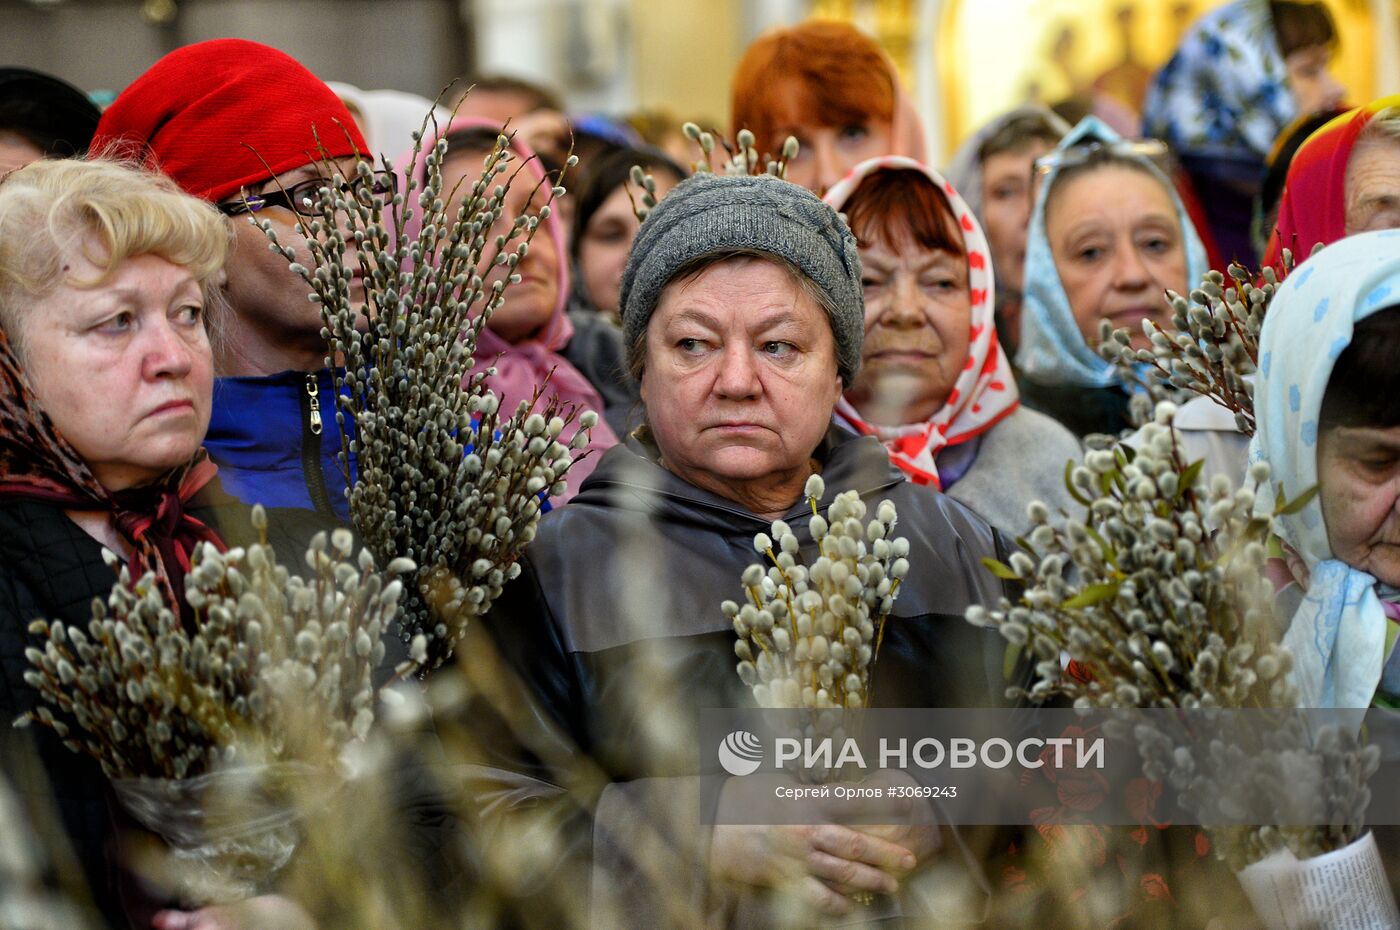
<point x="301" y="198"/>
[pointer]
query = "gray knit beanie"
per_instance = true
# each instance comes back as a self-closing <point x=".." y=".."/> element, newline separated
<point x="711" y="213"/>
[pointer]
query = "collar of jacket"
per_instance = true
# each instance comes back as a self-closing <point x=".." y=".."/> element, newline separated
<point x="628" y="477"/>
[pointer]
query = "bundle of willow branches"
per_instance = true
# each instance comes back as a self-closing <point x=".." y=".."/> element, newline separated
<point x="1213" y="347"/>
<point x="276" y="668"/>
<point x="1157" y="595"/>
<point x="445" y="476"/>
<point x="809" y="635"/>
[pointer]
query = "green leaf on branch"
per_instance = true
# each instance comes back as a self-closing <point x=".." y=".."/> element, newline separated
<point x="1000" y="569"/>
<point x="1104" y="547"/>
<point x="1299" y="502"/>
<point x="1189" y="477"/>
<point x="1093" y="594"/>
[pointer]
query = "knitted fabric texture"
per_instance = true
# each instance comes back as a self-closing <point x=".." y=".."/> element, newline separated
<point x="225" y="114"/>
<point x="708" y="214"/>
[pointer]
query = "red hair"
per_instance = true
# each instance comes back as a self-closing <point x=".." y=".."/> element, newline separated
<point x="895" y="205"/>
<point x="818" y="73"/>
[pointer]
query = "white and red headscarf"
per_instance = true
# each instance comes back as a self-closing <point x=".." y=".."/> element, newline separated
<point x="985" y="392"/>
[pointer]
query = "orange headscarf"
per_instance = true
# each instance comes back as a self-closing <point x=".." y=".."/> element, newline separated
<point x="1313" y="208"/>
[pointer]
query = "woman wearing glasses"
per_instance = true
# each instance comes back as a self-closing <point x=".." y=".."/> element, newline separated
<point x="1108" y="237"/>
<point x="249" y="129"/>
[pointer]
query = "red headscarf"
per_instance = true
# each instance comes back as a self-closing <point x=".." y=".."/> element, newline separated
<point x="1313" y="208"/>
<point x="37" y="463"/>
<point x="225" y="114"/>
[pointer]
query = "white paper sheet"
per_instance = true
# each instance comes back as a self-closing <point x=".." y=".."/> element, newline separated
<point x="1341" y="890"/>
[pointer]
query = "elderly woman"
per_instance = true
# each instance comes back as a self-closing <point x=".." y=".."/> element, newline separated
<point x="1241" y="74"/>
<point x="105" y="272"/>
<point x="743" y="317"/>
<point x="832" y="88"/>
<point x="994" y="171"/>
<point x="1345" y="179"/>
<point x="1326" y="416"/>
<point x="1109" y="236"/>
<point x="934" y="384"/>
<point x="202" y="115"/>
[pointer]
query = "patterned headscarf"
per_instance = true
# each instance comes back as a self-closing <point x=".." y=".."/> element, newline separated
<point x="1313" y="208"/>
<point x="1338" y="634"/>
<point x="1053" y="350"/>
<point x="1225" y="92"/>
<point x="37" y="463"/>
<point x="985" y="391"/>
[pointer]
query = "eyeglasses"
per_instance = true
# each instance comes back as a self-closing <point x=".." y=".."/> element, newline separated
<point x="302" y="198"/>
<point x="1150" y="149"/>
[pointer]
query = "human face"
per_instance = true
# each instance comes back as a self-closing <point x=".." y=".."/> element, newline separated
<point x="123" y="369"/>
<point x="740" y="382"/>
<point x="1372" y="187"/>
<point x="1312" y="84"/>
<point x="1118" y="247"/>
<point x="1006" y="209"/>
<point x="606" y="242"/>
<point x="529" y="304"/>
<point x="918" y="318"/>
<point x="16" y="151"/>
<point x="263" y="292"/>
<point x="826" y="153"/>
<point x="1359" y="476"/>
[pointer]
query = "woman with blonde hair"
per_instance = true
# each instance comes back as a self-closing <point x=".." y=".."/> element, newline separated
<point x="106" y="375"/>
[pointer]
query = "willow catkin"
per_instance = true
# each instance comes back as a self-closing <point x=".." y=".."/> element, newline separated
<point x="275" y="666"/>
<point x="445" y="472"/>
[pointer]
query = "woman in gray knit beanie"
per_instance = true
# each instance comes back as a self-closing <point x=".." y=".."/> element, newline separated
<point x="743" y="317"/>
<point x="756" y="262"/>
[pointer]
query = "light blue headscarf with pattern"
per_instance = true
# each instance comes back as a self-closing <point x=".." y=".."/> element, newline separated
<point x="1338" y="634"/>
<point x="1053" y="350"/>
<point x="1225" y="92"/>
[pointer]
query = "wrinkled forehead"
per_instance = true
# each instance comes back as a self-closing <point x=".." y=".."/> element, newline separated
<point x="739" y="288"/>
<point x="1095" y="188"/>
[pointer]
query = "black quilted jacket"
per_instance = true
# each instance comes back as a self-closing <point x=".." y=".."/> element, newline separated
<point x="51" y="569"/>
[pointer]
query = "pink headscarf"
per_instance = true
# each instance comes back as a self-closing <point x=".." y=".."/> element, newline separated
<point x="985" y="392"/>
<point x="522" y="366"/>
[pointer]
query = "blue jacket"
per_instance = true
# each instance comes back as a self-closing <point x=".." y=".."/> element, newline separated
<point x="275" y="441"/>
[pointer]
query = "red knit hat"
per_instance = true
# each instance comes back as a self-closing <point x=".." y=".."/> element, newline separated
<point x="221" y="115"/>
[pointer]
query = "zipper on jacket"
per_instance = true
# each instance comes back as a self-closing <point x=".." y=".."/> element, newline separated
<point x="311" y="447"/>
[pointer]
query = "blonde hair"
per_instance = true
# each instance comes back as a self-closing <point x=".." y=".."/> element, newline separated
<point x="50" y="207"/>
